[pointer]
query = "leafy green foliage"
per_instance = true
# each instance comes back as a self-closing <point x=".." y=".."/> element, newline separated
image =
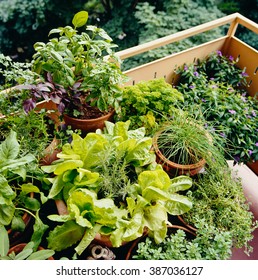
<point x="139" y="196"/>
<point x="65" y="235"/>
<point x="216" y="90"/>
<point x="155" y="24"/>
<point x="98" y="153"/>
<point x="81" y="68"/>
<point x="27" y="253"/>
<point x="13" y="73"/>
<point x="34" y="130"/>
<point x="13" y="172"/>
<point x="219" y="201"/>
<point x="148" y="103"/>
<point x="24" y="22"/>
<point x="209" y="244"/>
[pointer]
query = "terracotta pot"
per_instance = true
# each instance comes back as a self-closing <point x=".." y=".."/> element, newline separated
<point x="173" y="168"/>
<point x="88" y="125"/>
<point x="50" y="153"/>
<point x="253" y="166"/>
<point x="19" y="247"/>
<point x="52" y="110"/>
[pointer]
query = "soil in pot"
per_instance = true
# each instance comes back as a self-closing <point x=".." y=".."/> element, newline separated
<point x="90" y="124"/>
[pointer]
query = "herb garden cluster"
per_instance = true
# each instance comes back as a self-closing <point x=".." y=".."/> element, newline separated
<point x="92" y="168"/>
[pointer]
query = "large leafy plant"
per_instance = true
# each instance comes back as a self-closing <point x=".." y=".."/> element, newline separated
<point x="83" y="68"/>
<point x="16" y="183"/>
<point x="121" y="202"/>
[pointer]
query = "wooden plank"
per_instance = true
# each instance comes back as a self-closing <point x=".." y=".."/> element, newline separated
<point x="233" y="19"/>
<point x="165" y="67"/>
<point x="248" y="57"/>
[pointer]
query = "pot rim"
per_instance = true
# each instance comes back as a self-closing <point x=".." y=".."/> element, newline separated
<point x="89" y="120"/>
<point x="196" y="165"/>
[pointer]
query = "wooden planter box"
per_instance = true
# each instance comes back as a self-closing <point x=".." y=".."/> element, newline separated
<point x="228" y="45"/>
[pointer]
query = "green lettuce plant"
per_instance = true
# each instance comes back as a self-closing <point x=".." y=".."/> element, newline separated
<point x="121" y="203"/>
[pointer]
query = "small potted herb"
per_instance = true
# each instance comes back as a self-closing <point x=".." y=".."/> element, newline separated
<point x="184" y="145"/>
<point x="79" y="72"/>
<point x="148" y="103"/>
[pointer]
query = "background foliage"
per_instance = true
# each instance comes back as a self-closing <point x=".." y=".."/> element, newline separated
<point x="128" y="22"/>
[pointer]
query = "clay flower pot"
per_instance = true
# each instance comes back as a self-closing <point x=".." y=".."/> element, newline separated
<point x="173" y="168"/>
<point x="88" y="125"/>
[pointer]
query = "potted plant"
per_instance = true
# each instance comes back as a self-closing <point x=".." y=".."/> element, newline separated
<point x="22" y="251"/>
<point x="19" y="175"/>
<point x="112" y="186"/>
<point x="79" y="72"/>
<point x="148" y="103"/>
<point x="215" y="89"/>
<point x="36" y="132"/>
<point x="183" y="145"/>
<point x="219" y="201"/>
<point x="208" y="244"/>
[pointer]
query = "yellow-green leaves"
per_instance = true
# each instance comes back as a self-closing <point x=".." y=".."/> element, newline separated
<point x="80" y="19"/>
<point x="158" y="179"/>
